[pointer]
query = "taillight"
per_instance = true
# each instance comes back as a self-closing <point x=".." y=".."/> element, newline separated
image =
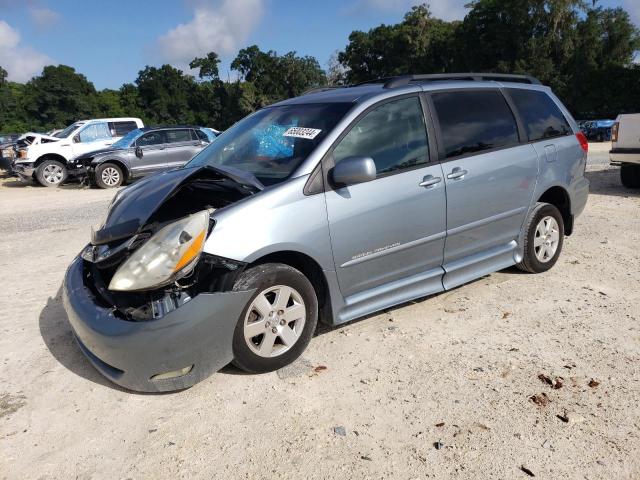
<point x="584" y="143"/>
<point x="614" y="132"/>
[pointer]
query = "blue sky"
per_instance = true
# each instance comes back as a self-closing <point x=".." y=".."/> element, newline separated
<point x="110" y="42"/>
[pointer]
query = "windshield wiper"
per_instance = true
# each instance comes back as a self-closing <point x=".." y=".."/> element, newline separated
<point x="242" y="177"/>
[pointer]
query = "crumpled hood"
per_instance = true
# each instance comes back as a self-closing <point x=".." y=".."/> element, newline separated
<point x="133" y="206"/>
<point x="39" y="136"/>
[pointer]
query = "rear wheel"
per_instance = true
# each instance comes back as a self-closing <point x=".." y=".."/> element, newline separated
<point x="278" y="322"/>
<point x="51" y="173"/>
<point x="544" y="235"/>
<point x="108" y="175"/>
<point x="630" y="176"/>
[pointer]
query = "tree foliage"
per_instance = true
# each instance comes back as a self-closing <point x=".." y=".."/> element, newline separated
<point x="583" y="51"/>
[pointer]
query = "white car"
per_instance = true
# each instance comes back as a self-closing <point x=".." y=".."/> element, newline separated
<point x="44" y="157"/>
<point x="625" y="148"/>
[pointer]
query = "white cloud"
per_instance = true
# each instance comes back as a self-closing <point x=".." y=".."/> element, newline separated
<point x="443" y="9"/>
<point x="21" y="62"/>
<point x="43" y="17"/>
<point x="220" y="26"/>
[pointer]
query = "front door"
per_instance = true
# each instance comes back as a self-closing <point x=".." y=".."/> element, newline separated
<point x="151" y="155"/>
<point x="388" y="234"/>
<point x="490" y="178"/>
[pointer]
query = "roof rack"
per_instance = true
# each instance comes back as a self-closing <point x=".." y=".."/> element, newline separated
<point x="403" y="80"/>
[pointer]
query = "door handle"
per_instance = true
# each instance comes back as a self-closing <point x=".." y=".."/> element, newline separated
<point x="429" y="181"/>
<point x="457" y="173"/>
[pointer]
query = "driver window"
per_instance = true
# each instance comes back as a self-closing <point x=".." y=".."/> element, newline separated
<point x="393" y="134"/>
<point x="151" y="138"/>
<point x="95" y="132"/>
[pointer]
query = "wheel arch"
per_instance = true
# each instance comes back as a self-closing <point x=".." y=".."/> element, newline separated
<point x="311" y="269"/>
<point x="50" y="156"/>
<point x="559" y="197"/>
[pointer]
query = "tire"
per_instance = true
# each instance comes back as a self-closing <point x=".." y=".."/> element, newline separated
<point x="541" y="255"/>
<point x="108" y="175"/>
<point x="51" y="173"/>
<point x="630" y="176"/>
<point x="270" y="280"/>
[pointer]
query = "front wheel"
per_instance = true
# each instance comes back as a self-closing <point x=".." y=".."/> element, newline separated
<point x="543" y="238"/>
<point x="108" y="175"/>
<point x="51" y="173"/>
<point x="278" y="322"/>
<point x="630" y="176"/>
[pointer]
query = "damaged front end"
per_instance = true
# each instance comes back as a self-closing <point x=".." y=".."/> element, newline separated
<point x="145" y="273"/>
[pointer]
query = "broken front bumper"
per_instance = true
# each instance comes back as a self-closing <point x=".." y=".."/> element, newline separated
<point x="23" y="170"/>
<point x="197" y="335"/>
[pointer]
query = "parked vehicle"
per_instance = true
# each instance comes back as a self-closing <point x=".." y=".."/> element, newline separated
<point x="7" y="141"/>
<point x="334" y="204"/>
<point x="625" y="151"/>
<point x="141" y="152"/>
<point x="598" y="130"/>
<point x="45" y="158"/>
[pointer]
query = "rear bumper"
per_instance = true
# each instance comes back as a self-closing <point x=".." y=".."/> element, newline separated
<point x="198" y="334"/>
<point x="619" y="156"/>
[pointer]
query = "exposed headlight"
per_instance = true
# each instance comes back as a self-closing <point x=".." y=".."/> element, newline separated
<point x="164" y="256"/>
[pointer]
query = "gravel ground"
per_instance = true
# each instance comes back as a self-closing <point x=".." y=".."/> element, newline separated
<point x="510" y="374"/>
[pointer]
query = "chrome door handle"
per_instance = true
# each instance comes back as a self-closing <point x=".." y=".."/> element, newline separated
<point x="429" y="181"/>
<point x="457" y="173"/>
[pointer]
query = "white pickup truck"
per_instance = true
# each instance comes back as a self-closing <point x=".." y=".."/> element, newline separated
<point x="625" y="148"/>
<point x="44" y="157"/>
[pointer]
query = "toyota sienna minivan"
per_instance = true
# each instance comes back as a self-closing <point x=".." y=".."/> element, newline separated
<point x="328" y="206"/>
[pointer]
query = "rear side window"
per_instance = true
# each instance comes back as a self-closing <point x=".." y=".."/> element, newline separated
<point x="178" y="136"/>
<point x="474" y="120"/>
<point x="541" y="116"/>
<point x="393" y="134"/>
<point x="120" y="129"/>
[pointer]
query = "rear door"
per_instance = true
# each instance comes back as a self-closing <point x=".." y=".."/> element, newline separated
<point x="151" y="155"/>
<point x="182" y="145"/>
<point x="490" y="176"/>
<point x="388" y="234"/>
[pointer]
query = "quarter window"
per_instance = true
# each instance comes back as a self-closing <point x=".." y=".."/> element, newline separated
<point x="393" y="134"/>
<point x="472" y="121"/>
<point x="541" y="116"/>
<point x="151" y="138"/>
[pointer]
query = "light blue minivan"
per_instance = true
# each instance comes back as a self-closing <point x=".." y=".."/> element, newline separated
<point x="331" y="206"/>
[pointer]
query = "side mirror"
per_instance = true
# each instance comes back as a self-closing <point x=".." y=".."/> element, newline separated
<point x="139" y="153"/>
<point x="352" y="170"/>
<point x="76" y="139"/>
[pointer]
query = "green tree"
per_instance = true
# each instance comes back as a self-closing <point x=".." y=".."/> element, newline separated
<point x="58" y="97"/>
<point x="164" y="95"/>
<point x="207" y="66"/>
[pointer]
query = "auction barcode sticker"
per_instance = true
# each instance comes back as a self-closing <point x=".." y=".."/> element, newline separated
<point x="301" y="132"/>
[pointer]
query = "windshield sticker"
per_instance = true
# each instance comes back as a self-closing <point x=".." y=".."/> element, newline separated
<point x="301" y="132"/>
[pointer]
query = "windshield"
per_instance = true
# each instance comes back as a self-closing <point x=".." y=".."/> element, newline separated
<point x="128" y="139"/>
<point x="272" y="142"/>
<point x="68" y="131"/>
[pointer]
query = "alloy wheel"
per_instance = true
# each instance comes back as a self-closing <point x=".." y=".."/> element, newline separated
<point x="53" y="174"/>
<point x="547" y="238"/>
<point x="110" y="176"/>
<point x="274" y="321"/>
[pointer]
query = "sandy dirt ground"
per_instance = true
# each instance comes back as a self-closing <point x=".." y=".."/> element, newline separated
<point x="438" y="388"/>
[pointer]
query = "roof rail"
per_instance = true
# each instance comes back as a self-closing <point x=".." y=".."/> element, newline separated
<point x="403" y="80"/>
<point x="321" y="89"/>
